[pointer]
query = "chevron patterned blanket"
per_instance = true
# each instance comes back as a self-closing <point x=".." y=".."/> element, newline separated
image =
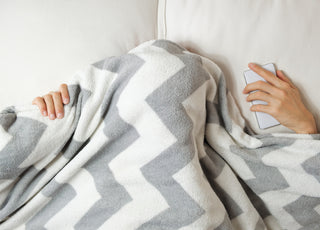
<point x="152" y="139"/>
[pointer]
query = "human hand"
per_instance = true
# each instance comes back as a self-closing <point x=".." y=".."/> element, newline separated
<point x="283" y="98"/>
<point x="51" y="103"/>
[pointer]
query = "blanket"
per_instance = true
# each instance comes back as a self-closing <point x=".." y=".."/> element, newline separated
<point x="152" y="139"/>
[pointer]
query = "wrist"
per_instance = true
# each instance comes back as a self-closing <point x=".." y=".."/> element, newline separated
<point x="310" y="130"/>
<point x="309" y="127"/>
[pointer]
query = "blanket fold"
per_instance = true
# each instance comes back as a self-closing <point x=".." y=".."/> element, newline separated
<point x="152" y="139"/>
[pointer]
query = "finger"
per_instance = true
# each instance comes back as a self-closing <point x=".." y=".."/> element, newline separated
<point x="64" y="93"/>
<point x="259" y="95"/>
<point x="57" y="101"/>
<point x="283" y="77"/>
<point x="39" y="101"/>
<point x="259" y="85"/>
<point x="260" y="108"/>
<point x="50" y="107"/>
<point x="267" y="75"/>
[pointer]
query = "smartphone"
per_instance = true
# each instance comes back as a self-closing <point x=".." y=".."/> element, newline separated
<point x="264" y="120"/>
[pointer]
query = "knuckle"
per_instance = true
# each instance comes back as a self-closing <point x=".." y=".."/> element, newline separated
<point x="258" y="94"/>
<point x="47" y="96"/>
<point x="275" y="110"/>
<point x="286" y="85"/>
<point x="56" y="94"/>
<point x="277" y="103"/>
<point x="50" y="107"/>
<point x="257" y="107"/>
<point x="283" y="93"/>
<point x="42" y="107"/>
<point x="40" y="103"/>
<point x="277" y="106"/>
<point x="260" y="83"/>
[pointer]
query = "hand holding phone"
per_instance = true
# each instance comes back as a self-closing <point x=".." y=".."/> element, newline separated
<point x="264" y="120"/>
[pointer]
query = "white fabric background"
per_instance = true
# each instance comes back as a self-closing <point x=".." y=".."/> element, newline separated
<point x="43" y="43"/>
<point x="233" y="33"/>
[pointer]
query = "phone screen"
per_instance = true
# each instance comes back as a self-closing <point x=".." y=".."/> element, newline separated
<point x="264" y="120"/>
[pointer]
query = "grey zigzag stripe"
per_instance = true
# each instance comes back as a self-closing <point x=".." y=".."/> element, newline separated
<point x="225" y="225"/>
<point x="23" y="132"/>
<point x="78" y="98"/>
<point x="213" y="114"/>
<point x="159" y="171"/>
<point x="303" y="212"/>
<point x="113" y="197"/>
<point x="224" y="110"/>
<point x="55" y="189"/>
<point x="311" y="166"/>
<point x="120" y="135"/>
<point x="212" y="165"/>
<point x="60" y="195"/>
<point x="255" y="200"/>
<point x="262" y="183"/>
<point x="8" y="116"/>
<point x="274" y="180"/>
<point x="21" y="191"/>
<point x="260" y="225"/>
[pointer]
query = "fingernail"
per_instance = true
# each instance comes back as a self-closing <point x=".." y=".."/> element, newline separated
<point x="44" y="113"/>
<point x="251" y="64"/>
<point x="59" y="115"/>
<point x="65" y="100"/>
<point x="52" y="116"/>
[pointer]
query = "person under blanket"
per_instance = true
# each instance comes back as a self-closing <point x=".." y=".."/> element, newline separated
<point x="283" y="98"/>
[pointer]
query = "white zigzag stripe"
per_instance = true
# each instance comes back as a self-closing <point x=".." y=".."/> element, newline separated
<point x="86" y="193"/>
<point x="196" y="109"/>
<point x="96" y="142"/>
<point x="5" y="187"/>
<point x="218" y="137"/>
<point x="151" y="143"/>
<point x="75" y="209"/>
<point x="99" y="81"/>
<point x="40" y="150"/>
<point x="25" y="213"/>
<point x="289" y="164"/>
<point x="282" y="199"/>
<point x="249" y="217"/>
<point x="218" y="134"/>
<point x="51" y="170"/>
<point x="317" y="209"/>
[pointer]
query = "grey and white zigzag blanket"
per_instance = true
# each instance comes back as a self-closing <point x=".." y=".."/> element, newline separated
<point x="152" y="139"/>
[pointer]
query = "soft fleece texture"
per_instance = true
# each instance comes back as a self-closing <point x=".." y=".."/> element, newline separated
<point x="153" y="140"/>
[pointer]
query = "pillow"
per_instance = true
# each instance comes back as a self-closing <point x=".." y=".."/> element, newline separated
<point x="43" y="43"/>
<point x="234" y="33"/>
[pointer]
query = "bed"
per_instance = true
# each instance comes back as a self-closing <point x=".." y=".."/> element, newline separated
<point x="44" y="44"/>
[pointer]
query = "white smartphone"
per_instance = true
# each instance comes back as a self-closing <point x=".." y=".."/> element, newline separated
<point x="264" y="120"/>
